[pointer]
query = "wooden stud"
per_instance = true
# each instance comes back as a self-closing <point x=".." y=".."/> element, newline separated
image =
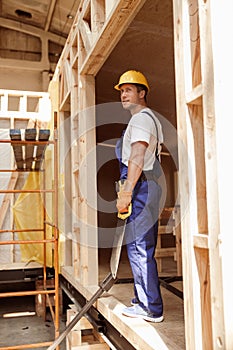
<point x="209" y="118"/>
<point x="177" y="234"/>
<point x="222" y="80"/>
<point x="191" y="300"/>
<point x="87" y="182"/>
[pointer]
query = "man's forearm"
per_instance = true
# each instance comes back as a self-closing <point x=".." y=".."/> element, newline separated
<point x="135" y="164"/>
<point x="134" y="172"/>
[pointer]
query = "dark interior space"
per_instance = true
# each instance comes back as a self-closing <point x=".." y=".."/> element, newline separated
<point x="147" y="46"/>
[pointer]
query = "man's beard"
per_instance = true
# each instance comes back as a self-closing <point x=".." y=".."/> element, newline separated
<point x="128" y="105"/>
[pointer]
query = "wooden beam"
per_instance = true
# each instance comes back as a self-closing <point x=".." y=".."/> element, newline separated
<point x="87" y="182"/>
<point x="52" y="5"/>
<point x="190" y="278"/>
<point x="201" y="241"/>
<point x="194" y="97"/>
<point x="105" y="35"/>
<point x="165" y="252"/>
<point x="212" y="191"/>
<point x="202" y="257"/>
<point x="177" y="234"/>
<point x="86" y="34"/>
<point x="221" y="17"/>
<point x="99" y="15"/>
<point x="116" y="24"/>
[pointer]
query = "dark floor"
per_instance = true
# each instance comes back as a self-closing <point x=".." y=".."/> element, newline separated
<point x="19" y="330"/>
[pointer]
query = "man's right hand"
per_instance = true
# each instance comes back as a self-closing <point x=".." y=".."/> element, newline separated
<point x="123" y="201"/>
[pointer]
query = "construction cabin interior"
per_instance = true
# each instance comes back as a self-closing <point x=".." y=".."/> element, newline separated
<point x="60" y="118"/>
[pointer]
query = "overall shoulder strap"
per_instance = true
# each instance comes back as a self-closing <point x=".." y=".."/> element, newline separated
<point x="156" y="127"/>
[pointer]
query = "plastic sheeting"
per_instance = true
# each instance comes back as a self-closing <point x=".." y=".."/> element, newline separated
<point x="6" y="251"/>
<point x="28" y="212"/>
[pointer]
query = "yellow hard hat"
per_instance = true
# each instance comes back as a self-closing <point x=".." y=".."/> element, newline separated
<point x="132" y="77"/>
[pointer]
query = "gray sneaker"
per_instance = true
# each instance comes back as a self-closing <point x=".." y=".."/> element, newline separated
<point x="137" y="311"/>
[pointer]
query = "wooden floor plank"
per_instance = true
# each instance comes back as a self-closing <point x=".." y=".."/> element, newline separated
<point x="168" y="335"/>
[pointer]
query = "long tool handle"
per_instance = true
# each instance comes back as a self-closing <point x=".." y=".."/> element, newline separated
<point x="106" y="284"/>
<point x="117" y="246"/>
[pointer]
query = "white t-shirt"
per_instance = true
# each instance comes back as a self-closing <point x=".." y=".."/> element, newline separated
<point x="141" y="127"/>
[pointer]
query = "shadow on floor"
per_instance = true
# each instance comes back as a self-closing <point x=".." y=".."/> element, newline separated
<point x="19" y="325"/>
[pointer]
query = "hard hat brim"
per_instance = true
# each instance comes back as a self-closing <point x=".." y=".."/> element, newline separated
<point x="117" y="87"/>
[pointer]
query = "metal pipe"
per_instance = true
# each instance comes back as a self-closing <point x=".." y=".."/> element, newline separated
<point x="44" y="241"/>
<point x="17" y="170"/>
<point x="27" y="346"/>
<point x="28" y="241"/>
<point x="98" y="326"/>
<point x="104" y="286"/>
<point x="24" y="293"/>
<point x="23" y="230"/>
<point x="26" y="191"/>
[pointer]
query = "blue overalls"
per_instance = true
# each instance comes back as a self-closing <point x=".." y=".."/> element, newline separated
<point x="141" y="238"/>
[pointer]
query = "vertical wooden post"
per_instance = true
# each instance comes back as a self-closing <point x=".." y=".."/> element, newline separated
<point x="74" y="103"/>
<point x="209" y="121"/>
<point x="56" y="230"/>
<point x="221" y="17"/>
<point x="87" y="182"/>
<point x="177" y="234"/>
<point x="192" y="308"/>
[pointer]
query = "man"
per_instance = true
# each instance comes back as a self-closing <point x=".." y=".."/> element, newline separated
<point x="138" y="150"/>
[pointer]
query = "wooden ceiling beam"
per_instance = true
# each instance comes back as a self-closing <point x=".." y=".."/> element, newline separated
<point x="50" y="14"/>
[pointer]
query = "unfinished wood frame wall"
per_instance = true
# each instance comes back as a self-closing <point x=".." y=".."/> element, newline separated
<point x="202" y="265"/>
<point x="97" y="28"/>
<point x="21" y="109"/>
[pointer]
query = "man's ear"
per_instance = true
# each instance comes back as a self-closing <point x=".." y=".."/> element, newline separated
<point x="142" y="94"/>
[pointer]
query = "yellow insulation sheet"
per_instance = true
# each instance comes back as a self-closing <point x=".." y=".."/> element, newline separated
<point x="28" y="213"/>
